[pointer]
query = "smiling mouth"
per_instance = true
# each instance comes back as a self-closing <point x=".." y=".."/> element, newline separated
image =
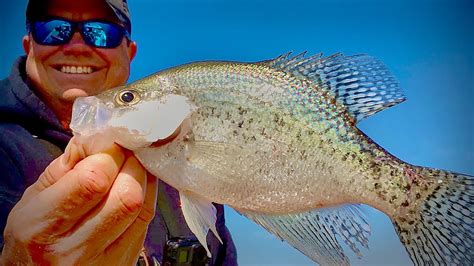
<point x="66" y="69"/>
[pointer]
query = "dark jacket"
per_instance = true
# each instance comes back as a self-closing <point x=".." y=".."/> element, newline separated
<point x="31" y="137"/>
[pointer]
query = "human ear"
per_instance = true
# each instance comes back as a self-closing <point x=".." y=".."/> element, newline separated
<point x="26" y="41"/>
<point x="132" y="50"/>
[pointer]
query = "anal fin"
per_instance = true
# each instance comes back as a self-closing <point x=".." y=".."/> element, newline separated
<point x="316" y="233"/>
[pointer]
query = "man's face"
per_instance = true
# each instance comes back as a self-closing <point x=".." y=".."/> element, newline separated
<point x="47" y="66"/>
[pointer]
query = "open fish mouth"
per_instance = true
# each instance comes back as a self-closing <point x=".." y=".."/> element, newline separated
<point x="89" y="123"/>
<point x="90" y="116"/>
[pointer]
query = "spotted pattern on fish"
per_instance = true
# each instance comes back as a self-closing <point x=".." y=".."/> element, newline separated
<point x="332" y="126"/>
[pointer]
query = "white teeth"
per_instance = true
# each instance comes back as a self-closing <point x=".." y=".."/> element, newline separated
<point x="76" y="69"/>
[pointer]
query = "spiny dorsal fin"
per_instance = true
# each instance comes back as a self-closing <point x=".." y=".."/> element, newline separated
<point x="360" y="82"/>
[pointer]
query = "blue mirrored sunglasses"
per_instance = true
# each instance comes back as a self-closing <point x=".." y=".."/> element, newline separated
<point x="95" y="33"/>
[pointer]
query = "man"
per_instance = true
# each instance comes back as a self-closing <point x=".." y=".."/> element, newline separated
<point x="76" y="206"/>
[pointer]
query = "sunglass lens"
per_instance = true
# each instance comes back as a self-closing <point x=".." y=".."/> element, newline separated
<point x="53" y="32"/>
<point x="101" y="34"/>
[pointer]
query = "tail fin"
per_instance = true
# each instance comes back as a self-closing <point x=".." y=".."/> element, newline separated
<point x="444" y="231"/>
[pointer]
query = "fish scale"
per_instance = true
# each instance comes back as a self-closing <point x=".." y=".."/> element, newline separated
<point x="277" y="141"/>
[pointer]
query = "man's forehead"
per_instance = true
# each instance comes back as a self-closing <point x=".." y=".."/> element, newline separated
<point x="80" y="10"/>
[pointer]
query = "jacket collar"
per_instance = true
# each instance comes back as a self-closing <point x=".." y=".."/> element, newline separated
<point x="22" y="106"/>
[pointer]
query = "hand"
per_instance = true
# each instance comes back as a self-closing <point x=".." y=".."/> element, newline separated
<point x="87" y="209"/>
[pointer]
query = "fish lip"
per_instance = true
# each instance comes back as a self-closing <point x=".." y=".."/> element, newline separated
<point x="170" y="138"/>
<point x="89" y="116"/>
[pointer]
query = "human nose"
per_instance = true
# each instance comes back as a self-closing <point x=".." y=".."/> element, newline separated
<point x="77" y="46"/>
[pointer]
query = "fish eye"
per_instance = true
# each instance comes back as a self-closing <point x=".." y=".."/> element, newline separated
<point x="127" y="97"/>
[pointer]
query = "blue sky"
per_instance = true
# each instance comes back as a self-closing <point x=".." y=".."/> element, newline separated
<point x="428" y="45"/>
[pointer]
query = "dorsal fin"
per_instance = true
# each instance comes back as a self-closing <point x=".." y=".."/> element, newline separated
<point x="360" y="82"/>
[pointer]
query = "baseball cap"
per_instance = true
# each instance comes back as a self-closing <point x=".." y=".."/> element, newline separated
<point x="119" y="7"/>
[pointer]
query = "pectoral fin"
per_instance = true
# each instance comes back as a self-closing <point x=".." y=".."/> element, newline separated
<point x="200" y="215"/>
<point x="221" y="156"/>
<point x="316" y="233"/>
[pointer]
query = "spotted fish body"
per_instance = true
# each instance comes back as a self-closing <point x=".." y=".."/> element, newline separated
<point x="277" y="140"/>
<point x="275" y="145"/>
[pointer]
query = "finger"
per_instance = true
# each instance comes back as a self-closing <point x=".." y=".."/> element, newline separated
<point x="127" y="250"/>
<point x="124" y="250"/>
<point x="147" y="212"/>
<point x="58" y="207"/>
<point x="111" y="218"/>
<point x="57" y="168"/>
<point x="74" y="152"/>
<point x="131" y="241"/>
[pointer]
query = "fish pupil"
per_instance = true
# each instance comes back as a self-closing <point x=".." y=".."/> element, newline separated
<point x="127" y="97"/>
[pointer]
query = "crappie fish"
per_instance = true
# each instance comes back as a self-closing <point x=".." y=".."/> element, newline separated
<point x="277" y="141"/>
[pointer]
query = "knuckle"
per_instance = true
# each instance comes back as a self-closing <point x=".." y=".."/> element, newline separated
<point x="146" y="215"/>
<point x="130" y="198"/>
<point x="9" y="234"/>
<point x="33" y="239"/>
<point x="18" y="236"/>
<point x="46" y="179"/>
<point x="91" y="183"/>
<point x="13" y="230"/>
